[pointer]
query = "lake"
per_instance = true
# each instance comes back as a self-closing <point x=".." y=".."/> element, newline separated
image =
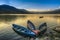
<point x="6" y="21"/>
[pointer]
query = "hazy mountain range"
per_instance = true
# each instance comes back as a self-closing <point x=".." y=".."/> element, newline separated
<point x="6" y="9"/>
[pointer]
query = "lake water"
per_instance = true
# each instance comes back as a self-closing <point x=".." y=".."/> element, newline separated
<point x="6" y="21"/>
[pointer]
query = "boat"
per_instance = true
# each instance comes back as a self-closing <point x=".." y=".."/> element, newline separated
<point x="41" y="17"/>
<point x="42" y="28"/>
<point x="23" y="31"/>
<point x="30" y="25"/>
<point x="29" y="31"/>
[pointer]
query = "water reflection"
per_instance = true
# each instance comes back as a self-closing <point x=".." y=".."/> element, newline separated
<point x="6" y="21"/>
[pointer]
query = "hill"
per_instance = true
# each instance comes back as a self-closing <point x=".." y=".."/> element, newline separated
<point x="6" y="9"/>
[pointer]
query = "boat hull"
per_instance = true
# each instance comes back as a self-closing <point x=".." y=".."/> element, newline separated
<point x="23" y="31"/>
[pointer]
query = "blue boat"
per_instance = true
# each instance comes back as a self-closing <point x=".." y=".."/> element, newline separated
<point x="23" y="31"/>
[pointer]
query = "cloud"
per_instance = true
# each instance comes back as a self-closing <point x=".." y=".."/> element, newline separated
<point x="38" y="10"/>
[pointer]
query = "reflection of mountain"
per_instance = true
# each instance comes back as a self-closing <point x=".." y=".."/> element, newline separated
<point x="7" y="18"/>
<point x="6" y="9"/>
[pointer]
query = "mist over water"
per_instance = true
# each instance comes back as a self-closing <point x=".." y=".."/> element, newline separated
<point x="6" y="21"/>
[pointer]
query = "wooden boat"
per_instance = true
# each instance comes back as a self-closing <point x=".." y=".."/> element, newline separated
<point x="42" y="28"/>
<point x="23" y="31"/>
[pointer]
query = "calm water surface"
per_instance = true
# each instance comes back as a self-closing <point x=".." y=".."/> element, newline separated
<point x="6" y="21"/>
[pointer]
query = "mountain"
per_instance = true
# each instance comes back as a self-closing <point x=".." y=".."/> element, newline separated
<point x="56" y="11"/>
<point x="6" y="9"/>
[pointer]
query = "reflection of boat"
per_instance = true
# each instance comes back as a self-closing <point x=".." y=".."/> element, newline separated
<point x="23" y="31"/>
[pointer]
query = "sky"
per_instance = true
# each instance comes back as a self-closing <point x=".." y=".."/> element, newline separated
<point x="33" y="4"/>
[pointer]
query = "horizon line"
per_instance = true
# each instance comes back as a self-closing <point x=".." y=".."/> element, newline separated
<point x="34" y="10"/>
